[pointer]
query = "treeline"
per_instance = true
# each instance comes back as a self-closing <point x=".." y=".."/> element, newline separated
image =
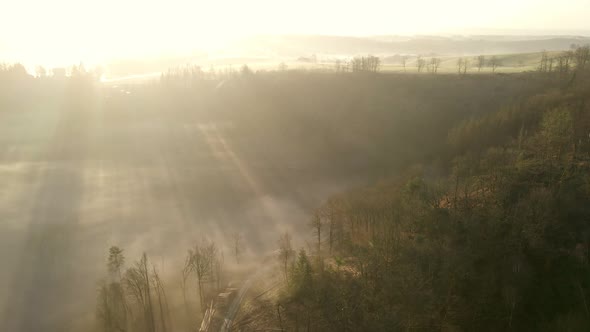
<point x="497" y="239"/>
<point x="575" y="60"/>
<point x="562" y="63"/>
<point x="192" y="75"/>
<point x="20" y="89"/>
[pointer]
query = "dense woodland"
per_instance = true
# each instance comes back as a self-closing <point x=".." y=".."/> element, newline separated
<point x="477" y="218"/>
<point x="492" y="235"/>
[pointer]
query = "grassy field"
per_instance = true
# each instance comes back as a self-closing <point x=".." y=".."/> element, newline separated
<point x="509" y="63"/>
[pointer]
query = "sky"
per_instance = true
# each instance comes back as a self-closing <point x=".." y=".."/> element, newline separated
<point x="66" y="31"/>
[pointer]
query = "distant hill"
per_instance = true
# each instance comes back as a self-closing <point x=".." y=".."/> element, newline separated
<point x="274" y="49"/>
<point x="439" y="45"/>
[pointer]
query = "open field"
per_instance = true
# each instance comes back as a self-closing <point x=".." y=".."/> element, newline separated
<point x="508" y="63"/>
<point x="76" y="182"/>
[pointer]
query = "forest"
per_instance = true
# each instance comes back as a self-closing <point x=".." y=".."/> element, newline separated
<point x="423" y="201"/>
<point x="489" y="232"/>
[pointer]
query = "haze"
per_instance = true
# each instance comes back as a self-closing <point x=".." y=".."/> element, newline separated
<point x="183" y="166"/>
<point x="61" y="32"/>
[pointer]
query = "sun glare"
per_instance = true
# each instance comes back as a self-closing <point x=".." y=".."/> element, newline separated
<point x="94" y="32"/>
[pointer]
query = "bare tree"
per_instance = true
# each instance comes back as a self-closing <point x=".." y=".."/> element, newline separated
<point x="345" y="66"/>
<point x="581" y="57"/>
<point x="137" y="282"/>
<point x="463" y="65"/>
<point x="104" y="308"/>
<point x="338" y="65"/>
<point x="494" y="63"/>
<point x="143" y="264"/>
<point x="186" y="271"/>
<point x="544" y="64"/>
<point x="218" y="269"/>
<point x="420" y="63"/>
<point x="404" y="60"/>
<point x="329" y="212"/>
<point x="356" y="64"/>
<point x="317" y="225"/>
<point x="237" y="245"/>
<point x="481" y="61"/>
<point x="366" y="64"/>
<point x="162" y="300"/>
<point x="286" y="253"/>
<point x="374" y="63"/>
<point x="434" y="65"/>
<point x="201" y="260"/>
